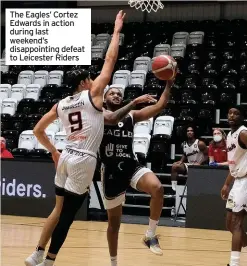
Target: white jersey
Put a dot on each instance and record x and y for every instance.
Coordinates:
(82, 121)
(192, 152)
(237, 155)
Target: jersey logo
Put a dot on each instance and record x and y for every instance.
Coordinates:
(109, 150)
(120, 124)
(232, 147)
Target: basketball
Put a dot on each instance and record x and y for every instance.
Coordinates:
(164, 67)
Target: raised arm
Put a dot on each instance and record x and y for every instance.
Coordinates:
(39, 132)
(99, 84)
(153, 110)
(112, 118)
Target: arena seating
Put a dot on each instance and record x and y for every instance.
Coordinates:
(212, 60)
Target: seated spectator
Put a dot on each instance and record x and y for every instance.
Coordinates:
(4, 152)
(217, 151)
(195, 152)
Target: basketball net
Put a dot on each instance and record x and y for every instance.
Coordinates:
(146, 5)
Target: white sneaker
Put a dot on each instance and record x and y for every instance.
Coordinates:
(35, 258)
(46, 263)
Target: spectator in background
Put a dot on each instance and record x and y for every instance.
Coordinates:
(195, 152)
(4, 152)
(217, 151)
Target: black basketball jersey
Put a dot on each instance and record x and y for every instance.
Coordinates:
(117, 141)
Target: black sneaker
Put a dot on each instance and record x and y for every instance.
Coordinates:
(153, 244)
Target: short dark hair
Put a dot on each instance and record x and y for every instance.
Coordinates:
(76, 76)
(240, 108)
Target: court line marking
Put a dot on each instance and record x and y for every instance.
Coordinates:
(127, 233)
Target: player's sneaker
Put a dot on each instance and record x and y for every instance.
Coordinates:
(35, 258)
(153, 244)
(46, 263)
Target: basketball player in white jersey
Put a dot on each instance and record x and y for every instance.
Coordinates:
(83, 120)
(237, 198)
(195, 152)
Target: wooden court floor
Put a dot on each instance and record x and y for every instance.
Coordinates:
(86, 245)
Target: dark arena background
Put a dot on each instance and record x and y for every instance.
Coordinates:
(208, 39)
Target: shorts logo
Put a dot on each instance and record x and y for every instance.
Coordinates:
(109, 150)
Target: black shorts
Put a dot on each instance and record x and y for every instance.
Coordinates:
(117, 176)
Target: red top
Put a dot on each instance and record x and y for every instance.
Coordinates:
(6, 154)
(219, 153)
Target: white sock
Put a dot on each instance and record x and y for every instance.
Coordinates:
(114, 261)
(174, 185)
(152, 228)
(235, 258)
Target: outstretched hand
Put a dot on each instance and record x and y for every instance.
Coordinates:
(119, 21)
(146, 98)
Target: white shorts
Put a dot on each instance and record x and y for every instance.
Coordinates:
(114, 201)
(237, 200)
(75, 171)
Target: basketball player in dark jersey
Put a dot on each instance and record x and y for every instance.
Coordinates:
(120, 168)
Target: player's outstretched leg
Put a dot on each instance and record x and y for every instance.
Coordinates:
(150, 184)
(71, 205)
(114, 221)
(37, 256)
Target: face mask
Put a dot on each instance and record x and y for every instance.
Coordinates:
(217, 138)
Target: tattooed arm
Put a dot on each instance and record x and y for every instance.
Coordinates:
(112, 118)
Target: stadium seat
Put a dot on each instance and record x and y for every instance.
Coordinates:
(103, 39)
(20, 152)
(97, 51)
(33, 91)
(19, 122)
(3, 67)
(162, 49)
(196, 37)
(5, 90)
(178, 51)
(142, 63)
(180, 38)
(18, 92)
(121, 77)
(138, 77)
(60, 140)
(143, 127)
(55, 77)
(154, 90)
(6, 122)
(141, 143)
(26, 106)
(43, 106)
(9, 106)
(133, 91)
(41, 77)
(163, 126)
(32, 120)
(27, 140)
(26, 77)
